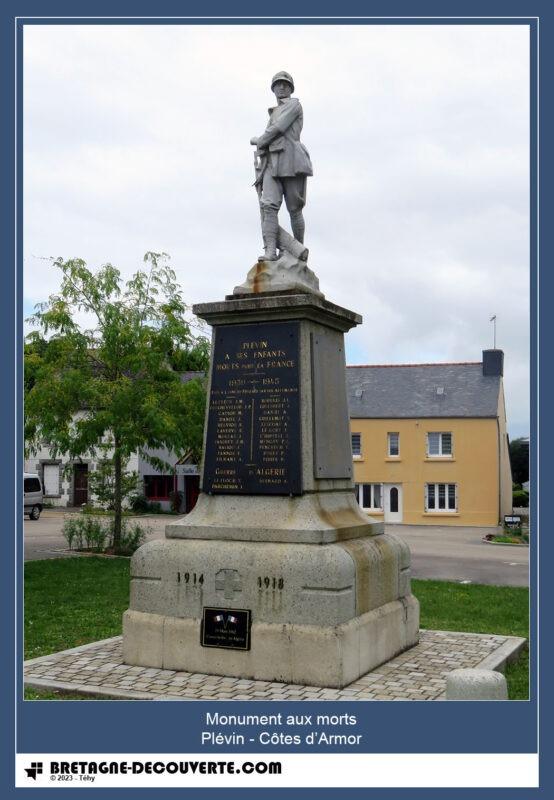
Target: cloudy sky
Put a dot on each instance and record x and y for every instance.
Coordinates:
(137, 138)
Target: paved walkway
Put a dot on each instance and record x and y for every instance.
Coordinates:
(97, 669)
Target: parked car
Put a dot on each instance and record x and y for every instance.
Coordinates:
(32, 495)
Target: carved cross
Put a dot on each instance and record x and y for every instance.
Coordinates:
(228, 581)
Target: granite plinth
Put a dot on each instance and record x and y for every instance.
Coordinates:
(281, 583)
(312, 518)
(324, 425)
(317, 655)
(328, 592)
(277, 305)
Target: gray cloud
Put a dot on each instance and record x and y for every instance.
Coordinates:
(136, 138)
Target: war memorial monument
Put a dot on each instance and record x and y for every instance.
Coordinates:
(277, 574)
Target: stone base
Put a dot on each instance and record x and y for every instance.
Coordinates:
(322, 614)
(318, 518)
(327, 590)
(299, 654)
(303, 584)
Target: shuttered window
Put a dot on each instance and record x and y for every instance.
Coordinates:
(357, 444)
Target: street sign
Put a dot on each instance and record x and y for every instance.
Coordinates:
(187, 469)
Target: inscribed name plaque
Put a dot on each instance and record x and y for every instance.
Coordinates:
(253, 433)
(226, 627)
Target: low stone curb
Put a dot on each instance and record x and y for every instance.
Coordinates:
(96, 671)
(82, 648)
(85, 553)
(505, 544)
(505, 654)
(87, 691)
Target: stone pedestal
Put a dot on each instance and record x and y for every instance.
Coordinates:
(304, 587)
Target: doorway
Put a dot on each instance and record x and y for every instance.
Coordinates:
(80, 484)
(192, 490)
(393, 502)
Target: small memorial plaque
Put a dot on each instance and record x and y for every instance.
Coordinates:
(226, 627)
(253, 432)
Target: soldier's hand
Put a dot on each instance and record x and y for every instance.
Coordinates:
(254, 141)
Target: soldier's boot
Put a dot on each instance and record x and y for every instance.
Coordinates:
(270, 226)
(297, 225)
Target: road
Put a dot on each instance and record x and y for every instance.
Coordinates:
(44, 538)
(442, 553)
(460, 554)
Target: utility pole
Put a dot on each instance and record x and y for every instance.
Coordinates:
(493, 320)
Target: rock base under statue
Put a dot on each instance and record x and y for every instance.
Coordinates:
(285, 274)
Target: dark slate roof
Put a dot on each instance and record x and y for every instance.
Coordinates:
(410, 391)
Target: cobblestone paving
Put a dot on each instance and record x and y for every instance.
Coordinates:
(417, 674)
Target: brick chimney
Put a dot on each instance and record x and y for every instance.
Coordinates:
(493, 362)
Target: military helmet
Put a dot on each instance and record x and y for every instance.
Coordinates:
(282, 76)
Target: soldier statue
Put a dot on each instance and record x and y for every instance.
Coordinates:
(282, 166)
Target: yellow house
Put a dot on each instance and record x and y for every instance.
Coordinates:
(429, 442)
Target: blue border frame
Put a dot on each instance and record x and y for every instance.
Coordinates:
(389, 727)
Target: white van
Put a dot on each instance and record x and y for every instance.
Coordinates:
(32, 495)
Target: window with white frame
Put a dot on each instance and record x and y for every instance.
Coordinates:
(369, 496)
(439, 444)
(357, 445)
(441, 497)
(393, 444)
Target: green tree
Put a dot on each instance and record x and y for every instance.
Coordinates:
(101, 483)
(104, 366)
(34, 351)
(519, 459)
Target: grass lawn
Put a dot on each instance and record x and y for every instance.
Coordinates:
(49, 694)
(473, 607)
(477, 608)
(72, 601)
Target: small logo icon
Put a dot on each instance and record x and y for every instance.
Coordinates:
(34, 770)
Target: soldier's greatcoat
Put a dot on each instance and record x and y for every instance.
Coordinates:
(287, 155)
